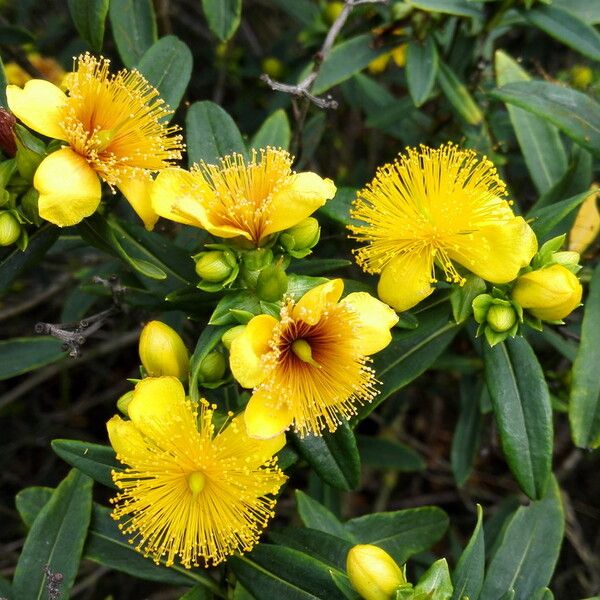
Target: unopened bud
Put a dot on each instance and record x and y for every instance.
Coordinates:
(30, 152)
(10, 229)
(123, 402)
(373, 572)
(501, 318)
(212, 367)
(163, 352)
(8, 145)
(215, 266)
(549, 294)
(272, 283)
(303, 236)
(567, 258)
(273, 67)
(332, 11)
(231, 334)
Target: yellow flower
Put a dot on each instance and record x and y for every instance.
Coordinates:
(437, 206)
(163, 352)
(373, 573)
(114, 129)
(587, 223)
(310, 368)
(549, 294)
(188, 490)
(238, 199)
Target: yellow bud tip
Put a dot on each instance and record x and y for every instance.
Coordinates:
(196, 481)
(163, 352)
(301, 348)
(373, 572)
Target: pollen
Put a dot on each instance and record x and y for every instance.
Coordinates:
(117, 122)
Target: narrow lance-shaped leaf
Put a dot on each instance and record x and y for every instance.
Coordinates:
(223, 16)
(458, 95)
(315, 516)
(469, 572)
(21, 355)
(421, 69)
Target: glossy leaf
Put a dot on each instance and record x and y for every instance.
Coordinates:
(223, 16)
(529, 550)
(435, 583)
(458, 95)
(55, 541)
(523, 412)
(460, 8)
(333, 456)
(584, 404)
(133, 27)
(89, 17)
(548, 218)
(574, 113)
(469, 572)
(385, 453)
(167, 65)
(94, 460)
(583, 9)
(315, 516)
(338, 208)
(211, 133)
(540, 142)
(462, 296)
(401, 533)
(275, 131)
(238, 301)
(421, 69)
(21, 355)
(209, 338)
(566, 28)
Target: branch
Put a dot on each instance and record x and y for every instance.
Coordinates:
(303, 89)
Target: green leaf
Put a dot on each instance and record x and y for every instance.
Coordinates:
(411, 352)
(223, 16)
(107, 545)
(546, 594)
(401, 533)
(574, 113)
(198, 592)
(338, 208)
(275, 131)
(540, 142)
(6, 589)
(21, 355)
(55, 541)
(458, 95)
(460, 8)
(584, 404)
(19, 260)
(208, 340)
(584, 9)
(278, 572)
(388, 454)
(529, 550)
(315, 516)
(211, 133)
(523, 412)
(89, 17)
(94, 460)
(469, 572)
(305, 12)
(167, 65)
(318, 266)
(134, 28)
(333, 456)
(3, 83)
(465, 441)
(566, 28)
(15, 35)
(462, 296)
(421, 69)
(244, 300)
(346, 59)
(435, 583)
(547, 218)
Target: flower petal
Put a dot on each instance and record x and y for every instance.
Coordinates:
(375, 318)
(497, 253)
(69, 188)
(126, 440)
(176, 194)
(266, 418)
(297, 200)
(158, 408)
(311, 306)
(406, 280)
(136, 190)
(248, 348)
(39, 105)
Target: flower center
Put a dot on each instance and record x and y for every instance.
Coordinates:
(196, 481)
(301, 348)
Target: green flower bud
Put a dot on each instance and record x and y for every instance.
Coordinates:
(231, 334)
(501, 318)
(303, 236)
(272, 283)
(163, 352)
(30, 152)
(373, 573)
(10, 229)
(123, 402)
(212, 367)
(567, 258)
(215, 266)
